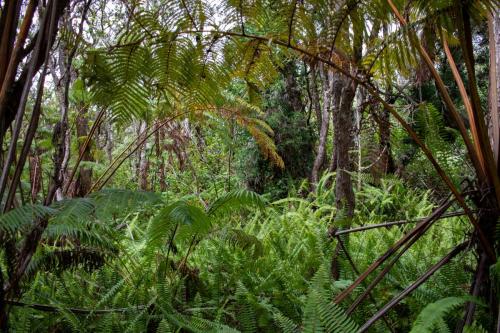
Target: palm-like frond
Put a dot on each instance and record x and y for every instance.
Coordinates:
(24, 216)
(433, 313)
(235, 200)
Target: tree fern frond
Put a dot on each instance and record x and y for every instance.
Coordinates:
(24, 216)
(235, 200)
(60, 260)
(240, 238)
(190, 219)
(432, 313)
(73, 209)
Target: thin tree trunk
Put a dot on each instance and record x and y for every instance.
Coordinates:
(336, 97)
(384, 163)
(84, 179)
(315, 102)
(35, 165)
(143, 162)
(109, 144)
(159, 139)
(357, 130)
(292, 91)
(328, 81)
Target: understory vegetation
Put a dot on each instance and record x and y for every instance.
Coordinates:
(249, 166)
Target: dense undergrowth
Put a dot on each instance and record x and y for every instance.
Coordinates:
(138, 262)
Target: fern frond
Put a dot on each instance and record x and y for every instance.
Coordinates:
(235, 200)
(432, 313)
(285, 323)
(24, 216)
(240, 238)
(190, 219)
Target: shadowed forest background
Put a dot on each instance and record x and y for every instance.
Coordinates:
(249, 166)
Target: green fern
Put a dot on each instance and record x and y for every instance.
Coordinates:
(320, 313)
(234, 200)
(24, 216)
(433, 313)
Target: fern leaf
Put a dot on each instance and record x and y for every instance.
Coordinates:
(432, 313)
(236, 200)
(190, 219)
(24, 216)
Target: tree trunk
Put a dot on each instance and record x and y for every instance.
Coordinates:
(142, 166)
(292, 90)
(328, 85)
(159, 139)
(315, 102)
(384, 162)
(336, 97)
(109, 144)
(344, 194)
(84, 180)
(35, 165)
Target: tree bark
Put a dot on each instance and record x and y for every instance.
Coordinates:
(84, 180)
(35, 165)
(328, 86)
(159, 139)
(142, 161)
(315, 102)
(344, 194)
(292, 90)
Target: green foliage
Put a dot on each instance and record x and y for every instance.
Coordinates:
(294, 138)
(202, 258)
(433, 314)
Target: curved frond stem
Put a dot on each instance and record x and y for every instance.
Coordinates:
(393, 223)
(191, 18)
(350, 6)
(473, 151)
(356, 270)
(391, 264)
(290, 24)
(414, 286)
(465, 99)
(483, 142)
(11, 69)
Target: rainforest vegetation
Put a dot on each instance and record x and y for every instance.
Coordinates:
(249, 166)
